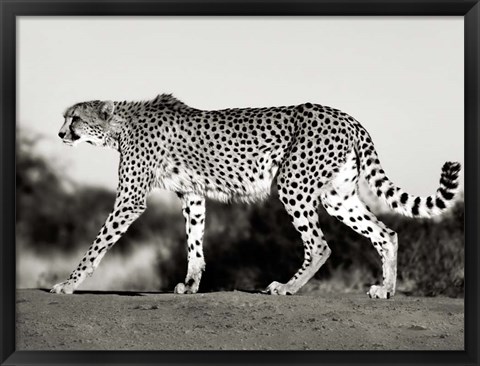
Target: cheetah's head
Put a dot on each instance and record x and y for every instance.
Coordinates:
(88, 122)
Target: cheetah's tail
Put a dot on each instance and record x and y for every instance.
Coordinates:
(399, 200)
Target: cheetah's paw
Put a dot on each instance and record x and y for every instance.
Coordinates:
(379, 292)
(181, 288)
(277, 288)
(66, 287)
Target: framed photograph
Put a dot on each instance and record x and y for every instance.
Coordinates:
(274, 182)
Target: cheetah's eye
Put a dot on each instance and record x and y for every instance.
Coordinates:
(75, 118)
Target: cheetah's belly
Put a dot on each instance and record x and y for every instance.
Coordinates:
(249, 184)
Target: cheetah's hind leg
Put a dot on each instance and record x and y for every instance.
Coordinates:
(340, 199)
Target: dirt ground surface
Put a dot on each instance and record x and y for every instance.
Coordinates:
(235, 321)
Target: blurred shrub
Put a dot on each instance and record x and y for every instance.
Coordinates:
(49, 215)
(246, 246)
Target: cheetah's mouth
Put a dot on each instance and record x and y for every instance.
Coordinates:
(74, 135)
(71, 138)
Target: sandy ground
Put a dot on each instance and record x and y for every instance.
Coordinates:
(235, 321)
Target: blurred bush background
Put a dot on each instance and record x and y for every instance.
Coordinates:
(246, 246)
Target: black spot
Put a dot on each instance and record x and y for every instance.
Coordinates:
(445, 194)
(190, 282)
(440, 204)
(447, 183)
(429, 202)
(416, 206)
(404, 198)
(379, 182)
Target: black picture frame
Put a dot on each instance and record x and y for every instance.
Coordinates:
(10, 9)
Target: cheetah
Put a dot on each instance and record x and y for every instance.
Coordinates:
(315, 153)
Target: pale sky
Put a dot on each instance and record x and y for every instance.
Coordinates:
(401, 77)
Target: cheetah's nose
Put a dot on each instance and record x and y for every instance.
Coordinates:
(61, 134)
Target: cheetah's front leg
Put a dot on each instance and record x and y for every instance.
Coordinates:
(193, 208)
(124, 213)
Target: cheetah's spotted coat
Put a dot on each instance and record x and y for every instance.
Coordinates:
(316, 154)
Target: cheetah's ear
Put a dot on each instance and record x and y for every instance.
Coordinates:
(106, 109)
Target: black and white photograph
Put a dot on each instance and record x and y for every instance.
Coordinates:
(240, 183)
